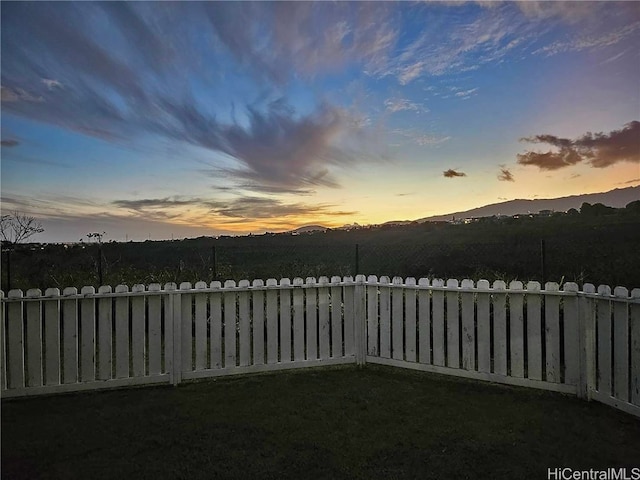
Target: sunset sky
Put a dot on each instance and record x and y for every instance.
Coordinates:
(157, 119)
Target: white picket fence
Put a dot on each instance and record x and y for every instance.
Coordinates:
(581, 342)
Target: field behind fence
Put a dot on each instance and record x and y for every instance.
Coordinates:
(584, 342)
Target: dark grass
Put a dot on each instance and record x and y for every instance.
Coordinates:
(369, 423)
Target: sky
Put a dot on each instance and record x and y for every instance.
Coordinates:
(168, 120)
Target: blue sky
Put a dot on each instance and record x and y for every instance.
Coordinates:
(158, 119)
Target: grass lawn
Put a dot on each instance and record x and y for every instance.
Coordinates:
(369, 423)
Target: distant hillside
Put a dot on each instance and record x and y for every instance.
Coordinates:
(617, 198)
(309, 228)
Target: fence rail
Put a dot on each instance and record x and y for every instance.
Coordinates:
(584, 342)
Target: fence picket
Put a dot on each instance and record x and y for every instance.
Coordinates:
(122, 333)
(499, 327)
(468, 329)
(552, 333)
(3, 339)
(516, 329)
(155, 330)
(298, 319)
(311, 319)
(105, 334)
(324, 325)
(285, 320)
(385, 317)
(70, 338)
(484, 326)
(397, 319)
(230, 325)
(258, 323)
(424, 323)
(571, 336)
(15, 342)
(534, 332)
(410, 321)
(88, 333)
(438, 323)
(215, 332)
(186, 327)
(372, 316)
(634, 319)
(336, 318)
(138, 321)
(201, 300)
(349, 320)
(245, 324)
(453, 324)
(621, 345)
(34, 339)
(604, 340)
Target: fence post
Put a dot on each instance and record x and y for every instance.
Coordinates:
(214, 262)
(543, 262)
(587, 343)
(359, 323)
(357, 264)
(173, 347)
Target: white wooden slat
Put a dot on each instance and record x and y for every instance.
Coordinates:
(604, 340)
(336, 319)
(230, 325)
(483, 323)
(215, 331)
(349, 313)
(311, 302)
(621, 345)
(468, 327)
(424, 323)
(587, 381)
(571, 335)
(172, 333)
(186, 327)
(15, 342)
(439, 338)
(552, 333)
(138, 328)
(201, 340)
(397, 319)
(634, 331)
(516, 329)
(122, 333)
(70, 336)
(385, 317)
(88, 335)
(105, 334)
(324, 324)
(258, 331)
(372, 316)
(410, 321)
(285, 320)
(272, 322)
(499, 327)
(534, 332)
(34, 339)
(3, 364)
(298, 319)
(155, 330)
(453, 324)
(245, 324)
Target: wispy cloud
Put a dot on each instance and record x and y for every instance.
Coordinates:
(591, 42)
(9, 142)
(505, 175)
(599, 150)
(464, 94)
(401, 104)
(420, 138)
(451, 173)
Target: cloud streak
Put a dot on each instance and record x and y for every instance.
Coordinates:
(599, 150)
(505, 175)
(451, 173)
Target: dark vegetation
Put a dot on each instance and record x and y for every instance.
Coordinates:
(597, 244)
(369, 423)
